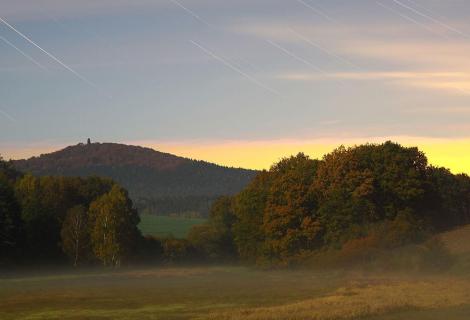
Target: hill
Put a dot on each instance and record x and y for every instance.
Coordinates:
(159, 183)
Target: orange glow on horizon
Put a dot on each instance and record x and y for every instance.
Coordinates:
(450, 153)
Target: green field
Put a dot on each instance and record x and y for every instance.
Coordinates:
(233, 293)
(162, 226)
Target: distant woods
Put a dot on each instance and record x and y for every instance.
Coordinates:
(158, 183)
(357, 202)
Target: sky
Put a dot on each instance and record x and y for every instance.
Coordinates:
(240, 83)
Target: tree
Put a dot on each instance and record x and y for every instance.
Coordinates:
(366, 184)
(10, 222)
(248, 207)
(449, 196)
(41, 222)
(75, 235)
(113, 222)
(290, 221)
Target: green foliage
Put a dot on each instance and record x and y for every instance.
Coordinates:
(44, 204)
(113, 223)
(44, 217)
(368, 183)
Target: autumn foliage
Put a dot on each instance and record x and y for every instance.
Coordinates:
(355, 201)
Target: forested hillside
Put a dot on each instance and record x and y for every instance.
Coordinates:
(159, 183)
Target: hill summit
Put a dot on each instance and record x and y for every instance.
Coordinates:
(159, 183)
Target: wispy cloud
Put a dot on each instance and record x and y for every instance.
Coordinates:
(454, 82)
(460, 111)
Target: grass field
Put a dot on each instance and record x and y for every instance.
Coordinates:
(240, 293)
(234, 293)
(165, 226)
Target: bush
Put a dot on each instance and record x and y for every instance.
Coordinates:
(150, 250)
(178, 250)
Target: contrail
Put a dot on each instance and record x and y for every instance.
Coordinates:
(192, 13)
(9, 117)
(23, 53)
(326, 51)
(231, 66)
(411, 20)
(296, 57)
(448, 27)
(317, 11)
(51, 56)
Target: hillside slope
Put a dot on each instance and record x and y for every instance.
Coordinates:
(457, 241)
(158, 182)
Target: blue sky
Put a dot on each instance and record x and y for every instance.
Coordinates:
(205, 70)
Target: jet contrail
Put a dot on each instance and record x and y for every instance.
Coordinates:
(23, 53)
(234, 68)
(192, 13)
(317, 11)
(51, 56)
(9, 117)
(411, 20)
(296, 57)
(326, 51)
(448, 27)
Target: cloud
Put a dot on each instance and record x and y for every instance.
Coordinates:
(449, 82)
(460, 111)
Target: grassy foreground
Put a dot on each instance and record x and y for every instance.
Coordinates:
(162, 226)
(233, 293)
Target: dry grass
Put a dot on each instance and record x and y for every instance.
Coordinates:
(359, 300)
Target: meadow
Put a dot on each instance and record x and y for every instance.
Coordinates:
(164, 226)
(233, 293)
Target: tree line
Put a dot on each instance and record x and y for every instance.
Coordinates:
(46, 219)
(353, 202)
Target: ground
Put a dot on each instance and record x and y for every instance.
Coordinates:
(234, 293)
